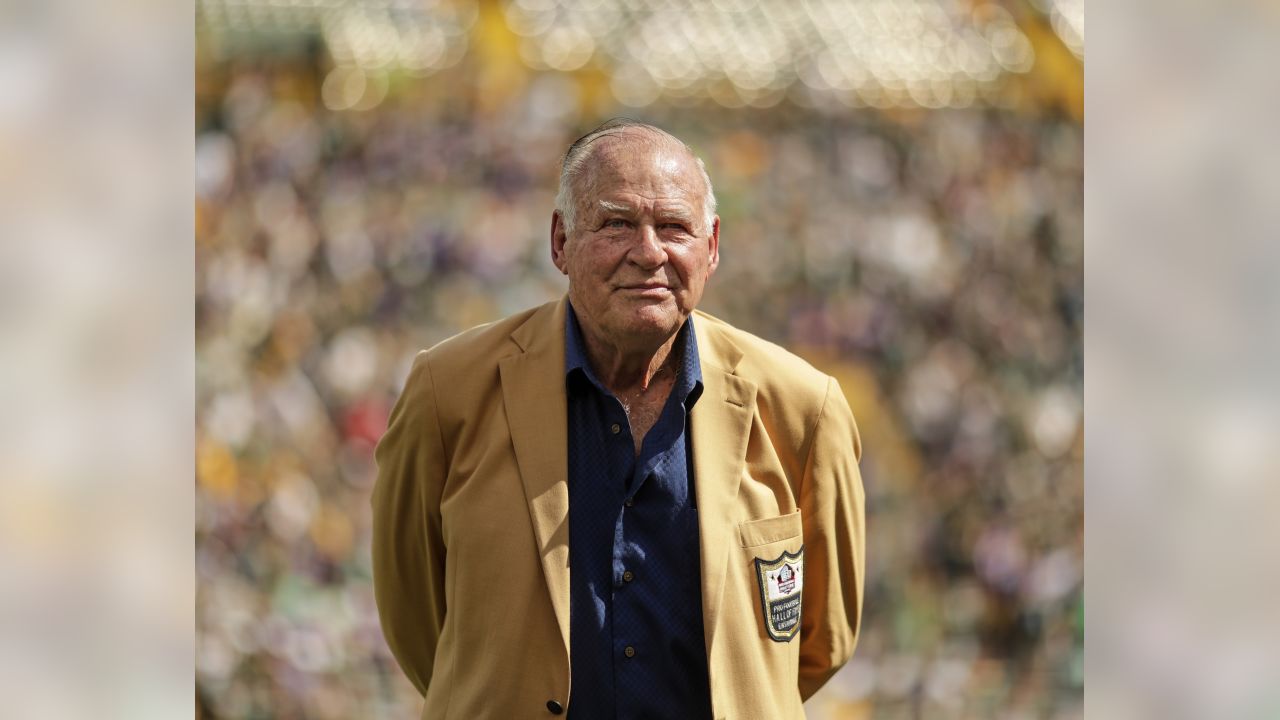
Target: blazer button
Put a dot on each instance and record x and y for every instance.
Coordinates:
(555, 707)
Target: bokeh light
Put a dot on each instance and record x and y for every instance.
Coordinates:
(880, 53)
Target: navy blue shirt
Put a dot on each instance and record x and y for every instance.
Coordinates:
(635, 593)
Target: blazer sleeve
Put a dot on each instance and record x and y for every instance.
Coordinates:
(408, 548)
(832, 508)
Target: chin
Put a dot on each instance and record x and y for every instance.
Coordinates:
(653, 322)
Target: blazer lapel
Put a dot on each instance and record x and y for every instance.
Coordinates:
(537, 416)
(721, 423)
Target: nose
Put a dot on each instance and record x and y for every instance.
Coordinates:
(649, 252)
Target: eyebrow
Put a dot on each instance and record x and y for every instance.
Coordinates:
(616, 207)
(676, 213)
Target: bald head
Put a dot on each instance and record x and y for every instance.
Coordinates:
(590, 154)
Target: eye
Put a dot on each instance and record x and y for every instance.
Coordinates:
(616, 223)
(678, 227)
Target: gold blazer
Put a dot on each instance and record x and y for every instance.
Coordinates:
(471, 523)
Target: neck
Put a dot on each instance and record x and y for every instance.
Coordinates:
(629, 369)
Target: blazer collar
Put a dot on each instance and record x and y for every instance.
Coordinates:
(543, 331)
(715, 348)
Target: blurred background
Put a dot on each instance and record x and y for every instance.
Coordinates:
(900, 188)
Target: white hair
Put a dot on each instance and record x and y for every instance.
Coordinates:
(575, 166)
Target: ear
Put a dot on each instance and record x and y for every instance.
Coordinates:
(558, 239)
(714, 246)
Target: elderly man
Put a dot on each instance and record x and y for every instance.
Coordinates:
(613, 505)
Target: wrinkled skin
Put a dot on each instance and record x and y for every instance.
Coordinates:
(639, 256)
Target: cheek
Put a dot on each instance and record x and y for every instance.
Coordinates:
(592, 278)
(694, 269)
(600, 260)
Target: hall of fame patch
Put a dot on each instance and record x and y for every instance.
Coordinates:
(781, 582)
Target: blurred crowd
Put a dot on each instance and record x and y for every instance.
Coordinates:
(931, 260)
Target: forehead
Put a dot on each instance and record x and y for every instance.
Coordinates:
(654, 168)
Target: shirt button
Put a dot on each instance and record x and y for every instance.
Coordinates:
(615, 428)
(555, 707)
(629, 651)
(628, 576)
(629, 502)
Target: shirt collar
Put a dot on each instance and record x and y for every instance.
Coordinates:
(689, 366)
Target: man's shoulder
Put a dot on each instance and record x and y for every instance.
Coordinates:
(483, 343)
(776, 371)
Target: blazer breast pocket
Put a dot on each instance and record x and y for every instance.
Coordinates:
(754, 533)
(774, 551)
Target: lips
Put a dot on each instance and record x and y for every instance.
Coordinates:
(647, 292)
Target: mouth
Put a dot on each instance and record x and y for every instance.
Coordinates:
(646, 289)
